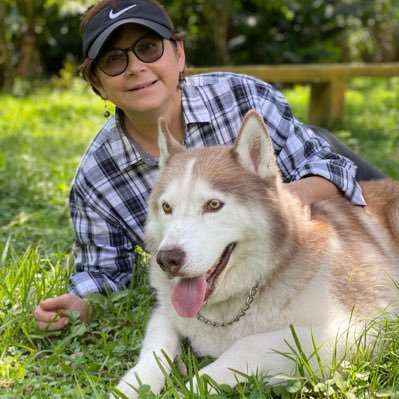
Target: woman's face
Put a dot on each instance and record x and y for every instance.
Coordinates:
(143, 87)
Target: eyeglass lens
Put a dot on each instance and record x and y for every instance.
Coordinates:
(147, 49)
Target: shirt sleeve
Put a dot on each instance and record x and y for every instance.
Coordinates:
(300, 152)
(104, 256)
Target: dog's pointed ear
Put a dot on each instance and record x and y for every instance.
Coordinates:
(166, 143)
(254, 146)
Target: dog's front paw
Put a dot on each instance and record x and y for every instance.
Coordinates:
(128, 385)
(213, 373)
(193, 385)
(142, 374)
(126, 389)
(199, 386)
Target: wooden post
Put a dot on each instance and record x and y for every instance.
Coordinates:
(327, 102)
(327, 82)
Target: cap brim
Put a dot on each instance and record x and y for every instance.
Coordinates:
(102, 38)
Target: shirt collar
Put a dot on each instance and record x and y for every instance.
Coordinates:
(194, 109)
(123, 150)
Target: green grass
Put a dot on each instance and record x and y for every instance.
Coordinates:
(42, 138)
(371, 120)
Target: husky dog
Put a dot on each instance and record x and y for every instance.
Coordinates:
(236, 262)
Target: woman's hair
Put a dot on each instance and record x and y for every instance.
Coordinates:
(88, 68)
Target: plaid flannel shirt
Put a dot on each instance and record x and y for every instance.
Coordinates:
(109, 192)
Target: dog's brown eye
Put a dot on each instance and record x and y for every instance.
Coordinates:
(166, 207)
(213, 205)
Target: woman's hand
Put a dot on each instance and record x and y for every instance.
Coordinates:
(312, 189)
(51, 314)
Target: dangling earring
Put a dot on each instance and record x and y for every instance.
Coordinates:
(106, 114)
(182, 80)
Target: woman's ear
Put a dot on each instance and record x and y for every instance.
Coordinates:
(180, 54)
(98, 86)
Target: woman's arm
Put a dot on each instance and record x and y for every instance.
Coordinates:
(312, 189)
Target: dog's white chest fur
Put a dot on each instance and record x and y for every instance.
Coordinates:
(272, 309)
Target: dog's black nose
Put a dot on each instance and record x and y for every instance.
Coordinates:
(171, 260)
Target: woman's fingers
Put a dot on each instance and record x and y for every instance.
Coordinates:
(56, 324)
(50, 314)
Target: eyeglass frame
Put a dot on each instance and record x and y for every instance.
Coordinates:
(131, 48)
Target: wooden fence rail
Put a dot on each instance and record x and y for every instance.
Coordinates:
(327, 81)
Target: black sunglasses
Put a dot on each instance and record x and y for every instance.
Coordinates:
(114, 61)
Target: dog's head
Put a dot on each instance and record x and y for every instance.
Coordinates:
(209, 210)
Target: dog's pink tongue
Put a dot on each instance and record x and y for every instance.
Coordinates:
(188, 296)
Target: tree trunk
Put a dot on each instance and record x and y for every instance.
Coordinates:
(6, 70)
(29, 61)
(218, 16)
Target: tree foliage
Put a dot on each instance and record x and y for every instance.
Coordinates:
(289, 31)
(37, 37)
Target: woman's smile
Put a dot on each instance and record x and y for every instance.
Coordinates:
(143, 86)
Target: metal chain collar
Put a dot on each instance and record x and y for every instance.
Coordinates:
(240, 314)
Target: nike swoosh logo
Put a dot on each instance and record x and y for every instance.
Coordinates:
(113, 15)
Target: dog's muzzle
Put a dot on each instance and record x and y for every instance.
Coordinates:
(171, 260)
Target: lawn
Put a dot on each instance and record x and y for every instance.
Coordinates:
(43, 136)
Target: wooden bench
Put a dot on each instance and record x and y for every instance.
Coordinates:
(327, 82)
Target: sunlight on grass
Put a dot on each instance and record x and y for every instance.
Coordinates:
(43, 138)
(371, 119)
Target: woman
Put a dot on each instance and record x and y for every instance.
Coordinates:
(136, 59)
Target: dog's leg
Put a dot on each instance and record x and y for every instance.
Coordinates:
(257, 354)
(161, 340)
